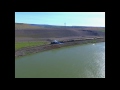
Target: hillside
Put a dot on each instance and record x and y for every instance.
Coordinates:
(19, 26)
(34, 32)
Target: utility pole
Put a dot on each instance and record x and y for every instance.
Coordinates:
(65, 25)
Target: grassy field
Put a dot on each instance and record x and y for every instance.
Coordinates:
(19, 45)
(103, 30)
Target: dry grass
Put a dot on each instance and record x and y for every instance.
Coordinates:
(25, 26)
(35, 33)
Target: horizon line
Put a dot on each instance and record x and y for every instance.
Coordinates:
(59, 25)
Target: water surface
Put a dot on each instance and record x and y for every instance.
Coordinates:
(80, 61)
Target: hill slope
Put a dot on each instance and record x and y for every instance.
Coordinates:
(51, 31)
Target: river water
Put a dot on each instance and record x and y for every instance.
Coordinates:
(79, 61)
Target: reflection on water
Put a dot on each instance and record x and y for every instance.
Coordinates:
(81, 61)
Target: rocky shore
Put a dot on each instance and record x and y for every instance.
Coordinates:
(30, 50)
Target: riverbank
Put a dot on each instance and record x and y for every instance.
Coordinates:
(30, 50)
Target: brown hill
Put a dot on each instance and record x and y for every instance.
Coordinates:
(39, 32)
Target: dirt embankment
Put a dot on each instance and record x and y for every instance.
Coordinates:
(30, 50)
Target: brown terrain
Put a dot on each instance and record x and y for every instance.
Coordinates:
(26, 32)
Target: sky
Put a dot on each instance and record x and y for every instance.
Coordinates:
(60, 18)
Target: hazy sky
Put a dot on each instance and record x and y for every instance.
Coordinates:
(59, 18)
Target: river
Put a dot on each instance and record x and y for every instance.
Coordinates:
(79, 61)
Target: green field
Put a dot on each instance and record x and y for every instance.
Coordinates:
(19, 45)
(103, 30)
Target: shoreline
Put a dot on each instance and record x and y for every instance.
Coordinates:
(30, 50)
